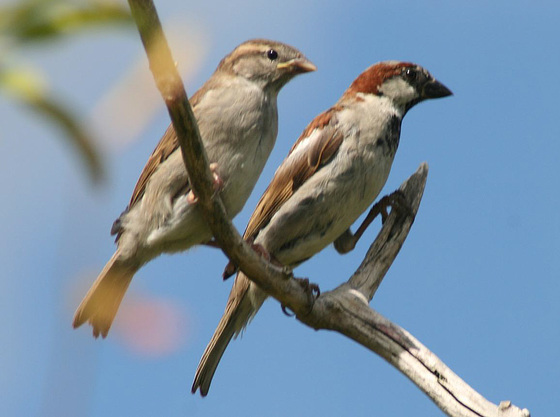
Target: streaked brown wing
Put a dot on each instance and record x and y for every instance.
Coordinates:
(297, 168)
(166, 146)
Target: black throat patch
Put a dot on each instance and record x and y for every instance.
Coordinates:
(389, 141)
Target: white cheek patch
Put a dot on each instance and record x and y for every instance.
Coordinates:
(398, 89)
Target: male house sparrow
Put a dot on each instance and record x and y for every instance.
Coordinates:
(332, 174)
(237, 116)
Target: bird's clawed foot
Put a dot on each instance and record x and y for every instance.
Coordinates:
(397, 201)
(217, 184)
(312, 290)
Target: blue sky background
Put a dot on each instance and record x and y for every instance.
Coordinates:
(477, 281)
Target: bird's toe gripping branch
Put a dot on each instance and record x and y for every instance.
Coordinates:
(218, 184)
(311, 289)
(397, 201)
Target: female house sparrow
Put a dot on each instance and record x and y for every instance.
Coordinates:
(332, 174)
(237, 116)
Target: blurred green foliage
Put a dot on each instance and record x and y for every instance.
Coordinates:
(28, 22)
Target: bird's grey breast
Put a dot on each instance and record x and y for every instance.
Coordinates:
(239, 127)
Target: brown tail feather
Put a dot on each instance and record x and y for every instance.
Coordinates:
(240, 309)
(103, 299)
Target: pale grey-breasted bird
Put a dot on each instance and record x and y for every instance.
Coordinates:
(236, 111)
(332, 174)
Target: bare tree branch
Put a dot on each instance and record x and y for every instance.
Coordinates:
(345, 309)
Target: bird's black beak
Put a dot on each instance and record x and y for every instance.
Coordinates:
(435, 89)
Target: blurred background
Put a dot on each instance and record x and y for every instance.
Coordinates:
(477, 281)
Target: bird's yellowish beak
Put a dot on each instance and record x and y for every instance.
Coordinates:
(297, 65)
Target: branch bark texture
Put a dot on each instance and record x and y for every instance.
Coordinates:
(345, 309)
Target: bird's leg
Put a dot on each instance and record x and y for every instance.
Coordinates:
(217, 184)
(231, 268)
(396, 200)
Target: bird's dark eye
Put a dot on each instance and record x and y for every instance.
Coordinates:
(411, 74)
(272, 54)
